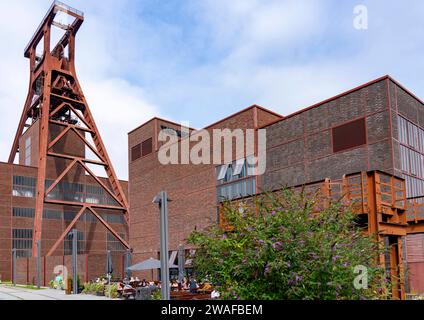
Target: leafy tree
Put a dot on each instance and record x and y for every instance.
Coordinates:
(280, 246)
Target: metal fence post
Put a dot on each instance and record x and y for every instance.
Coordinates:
(38, 264)
(14, 266)
(74, 261)
(162, 200)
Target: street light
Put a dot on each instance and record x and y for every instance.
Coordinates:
(162, 200)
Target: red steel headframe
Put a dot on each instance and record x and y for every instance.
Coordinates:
(61, 93)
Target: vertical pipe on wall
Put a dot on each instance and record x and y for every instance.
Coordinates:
(38, 264)
(14, 266)
(74, 261)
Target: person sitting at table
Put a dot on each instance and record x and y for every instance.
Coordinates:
(185, 285)
(174, 285)
(193, 286)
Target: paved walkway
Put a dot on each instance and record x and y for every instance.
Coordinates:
(16, 293)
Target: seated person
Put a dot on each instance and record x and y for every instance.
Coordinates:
(193, 286)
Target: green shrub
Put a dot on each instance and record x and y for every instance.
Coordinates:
(280, 248)
(113, 291)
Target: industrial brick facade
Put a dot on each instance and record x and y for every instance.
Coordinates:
(192, 188)
(300, 149)
(96, 239)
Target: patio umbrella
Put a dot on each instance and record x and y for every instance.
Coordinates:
(148, 264)
(128, 263)
(109, 268)
(109, 265)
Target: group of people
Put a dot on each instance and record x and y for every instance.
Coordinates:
(136, 282)
(187, 285)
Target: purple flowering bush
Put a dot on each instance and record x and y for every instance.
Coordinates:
(279, 247)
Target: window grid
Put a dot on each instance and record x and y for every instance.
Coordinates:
(23, 187)
(28, 151)
(22, 242)
(52, 214)
(23, 212)
(113, 244)
(233, 181)
(67, 243)
(411, 139)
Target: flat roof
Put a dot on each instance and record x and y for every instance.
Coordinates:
(215, 123)
(386, 77)
(282, 118)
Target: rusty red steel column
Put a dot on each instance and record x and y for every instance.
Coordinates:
(54, 96)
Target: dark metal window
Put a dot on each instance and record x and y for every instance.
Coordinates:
(52, 214)
(113, 244)
(67, 243)
(113, 218)
(24, 212)
(146, 147)
(22, 242)
(78, 192)
(234, 180)
(70, 215)
(411, 139)
(350, 135)
(24, 187)
(89, 217)
(136, 152)
(172, 131)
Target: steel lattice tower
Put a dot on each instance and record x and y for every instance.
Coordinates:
(55, 100)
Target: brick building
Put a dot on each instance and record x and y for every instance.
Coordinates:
(192, 188)
(376, 126)
(17, 208)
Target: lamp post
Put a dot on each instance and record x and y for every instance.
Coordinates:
(162, 200)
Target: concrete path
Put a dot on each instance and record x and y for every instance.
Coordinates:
(16, 293)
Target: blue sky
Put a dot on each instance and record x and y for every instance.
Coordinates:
(202, 60)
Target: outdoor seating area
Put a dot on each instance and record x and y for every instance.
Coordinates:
(133, 288)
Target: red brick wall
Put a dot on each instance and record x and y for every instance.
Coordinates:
(192, 189)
